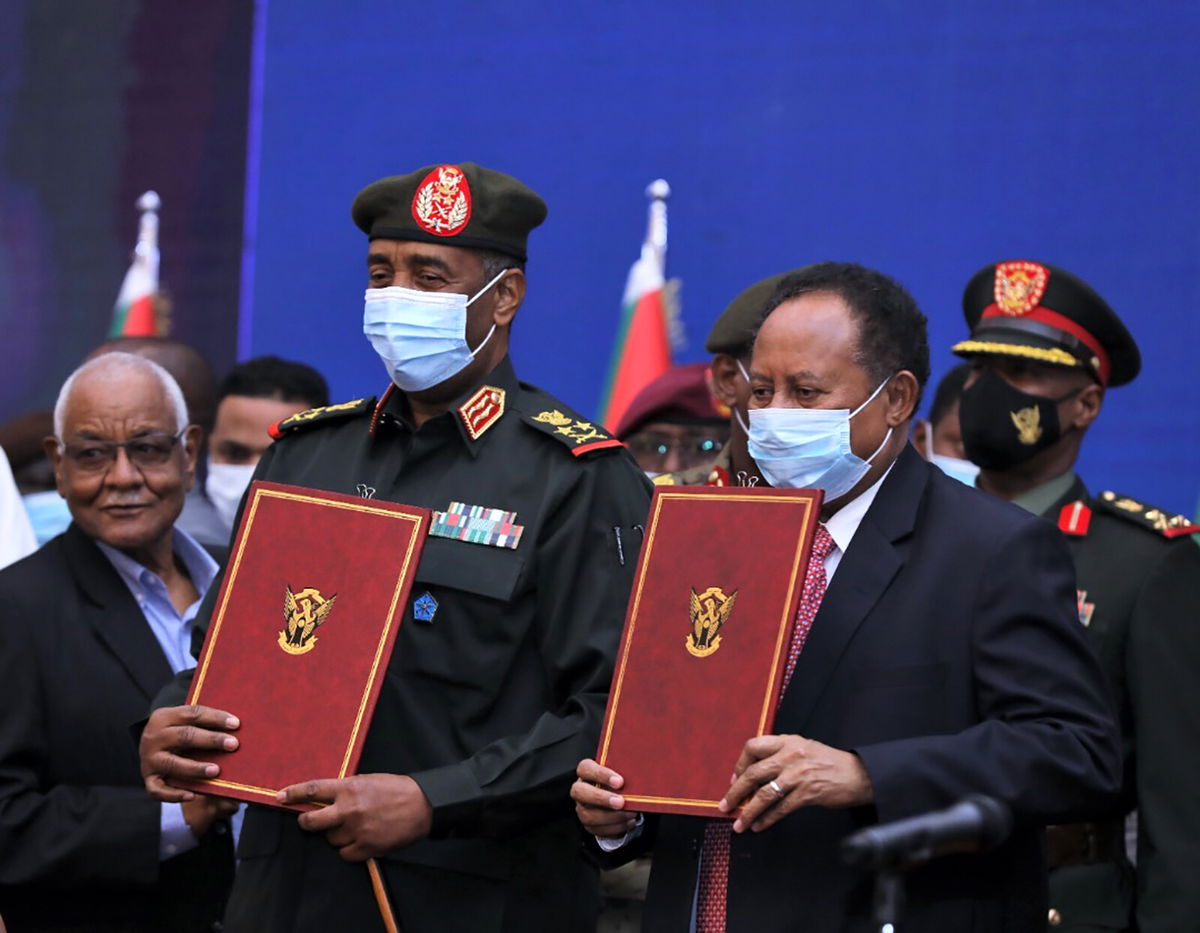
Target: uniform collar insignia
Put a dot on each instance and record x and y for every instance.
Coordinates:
(481, 411)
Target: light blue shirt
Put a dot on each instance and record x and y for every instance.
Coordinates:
(173, 631)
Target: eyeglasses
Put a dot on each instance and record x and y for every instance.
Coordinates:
(146, 452)
(692, 451)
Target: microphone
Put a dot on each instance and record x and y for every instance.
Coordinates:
(974, 824)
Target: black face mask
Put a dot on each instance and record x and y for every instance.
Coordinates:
(1003, 426)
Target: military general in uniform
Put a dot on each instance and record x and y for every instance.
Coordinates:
(498, 680)
(1046, 347)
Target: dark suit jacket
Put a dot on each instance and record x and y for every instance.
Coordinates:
(947, 654)
(79, 837)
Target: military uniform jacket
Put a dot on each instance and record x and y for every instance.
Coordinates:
(498, 681)
(1138, 574)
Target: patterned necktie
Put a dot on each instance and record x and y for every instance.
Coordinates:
(714, 859)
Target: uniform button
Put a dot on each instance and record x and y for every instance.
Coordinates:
(1054, 918)
(220, 829)
(172, 848)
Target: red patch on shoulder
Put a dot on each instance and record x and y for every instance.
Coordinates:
(442, 202)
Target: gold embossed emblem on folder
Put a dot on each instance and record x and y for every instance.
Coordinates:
(303, 614)
(710, 611)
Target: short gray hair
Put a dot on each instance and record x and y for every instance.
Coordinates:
(128, 362)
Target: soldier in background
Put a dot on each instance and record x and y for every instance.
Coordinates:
(1045, 349)
(731, 341)
(938, 438)
(675, 424)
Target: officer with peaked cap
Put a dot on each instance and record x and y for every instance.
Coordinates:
(1045, 348)
(500, 673)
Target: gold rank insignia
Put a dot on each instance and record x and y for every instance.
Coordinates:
(1168, 524)
(582, 436)
(1028, 422)
(303, 614)
(310, 415)
(710, 611)
(482, 410)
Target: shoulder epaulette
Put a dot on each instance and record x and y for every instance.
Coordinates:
(582, 437)
(320, 415)
(1167, 524)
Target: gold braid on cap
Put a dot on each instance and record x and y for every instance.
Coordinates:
(1059, 357)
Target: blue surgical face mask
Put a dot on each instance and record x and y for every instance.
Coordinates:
(809, 448)
(962, 470)
(421, 336)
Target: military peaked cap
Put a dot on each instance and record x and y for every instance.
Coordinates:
(1040, 312)
(734, 330)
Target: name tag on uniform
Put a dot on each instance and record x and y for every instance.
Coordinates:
(477, 524)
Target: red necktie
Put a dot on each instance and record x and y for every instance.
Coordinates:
(714, 859)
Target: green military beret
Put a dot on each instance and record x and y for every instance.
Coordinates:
(459, 205)
(1037, 311)
(734, 330)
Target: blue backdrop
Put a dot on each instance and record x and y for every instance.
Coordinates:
(923, 138)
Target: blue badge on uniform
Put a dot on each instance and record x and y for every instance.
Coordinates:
(424, 607)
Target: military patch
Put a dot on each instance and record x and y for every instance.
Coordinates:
(425, 607)
(476, 524)
(442, 202)
(482, 410)
(581, 436)
(1085, 608)
(1167, 524)
(1019, 286)
(314, 415)
(1075, 518)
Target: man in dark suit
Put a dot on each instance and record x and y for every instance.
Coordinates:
(91, 627)
(1045, 348)
(944, 658)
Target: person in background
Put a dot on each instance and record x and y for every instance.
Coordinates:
(16, 534)
(674, 423)
(731, 341)
(1045, 349)
(938, 438)
(91, 627)
(255, 395)
(193, 375)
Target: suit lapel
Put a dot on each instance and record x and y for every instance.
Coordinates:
(865, 572)
(114, 614)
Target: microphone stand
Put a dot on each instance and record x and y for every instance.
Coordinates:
(889, 899)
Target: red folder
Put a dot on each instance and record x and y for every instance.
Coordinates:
(706, 637)
(301, 634)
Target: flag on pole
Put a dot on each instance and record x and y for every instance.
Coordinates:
(643, 348)
(133, 314)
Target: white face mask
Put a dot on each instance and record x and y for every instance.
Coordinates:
(225, 485)
(962, 470)
(809, 448)
(421, 336)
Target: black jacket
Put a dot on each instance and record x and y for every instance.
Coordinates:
(947, 655)
(79, 837)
